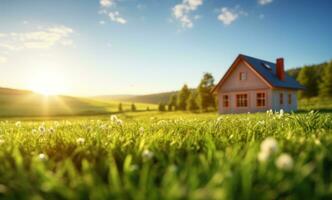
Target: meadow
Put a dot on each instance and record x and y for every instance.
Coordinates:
(170, 155)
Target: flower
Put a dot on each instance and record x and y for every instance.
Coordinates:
(2, 141)
(52, 130)
(263, 156)
(18, 124)
(41, 128)
(284, 162)
(80, 140)
(269, 145)
(42, 156)
(113, 118)
(147, 155)
(141, 129)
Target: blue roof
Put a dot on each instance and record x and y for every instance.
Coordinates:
(268, 71)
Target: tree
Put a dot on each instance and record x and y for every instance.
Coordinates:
(172, 102)
(325, 86)
(120, 107)
(148, 108)
(169, 107)
(183, 97)
(133, 107)
(192, 102)
(205, 96)
(161, 107)
(307, 77)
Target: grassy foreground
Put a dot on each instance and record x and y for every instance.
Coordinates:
(168, 156)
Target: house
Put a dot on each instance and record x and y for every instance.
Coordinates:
(254, 85)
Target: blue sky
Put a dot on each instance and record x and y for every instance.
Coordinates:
(92, 47)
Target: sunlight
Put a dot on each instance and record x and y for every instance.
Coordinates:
(47, 82)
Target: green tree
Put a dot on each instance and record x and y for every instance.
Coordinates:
(307, 77)
(161, 107)
(205, 96)
(325, 86)
(169, 107)
(172, 102)
(183, 97)
(192, 102)
(133, 107)
(120, 107)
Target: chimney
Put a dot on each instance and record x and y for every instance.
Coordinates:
(280, 68)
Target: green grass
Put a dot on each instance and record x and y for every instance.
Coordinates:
(166, 156)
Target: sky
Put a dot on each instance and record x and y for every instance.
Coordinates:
(105, 47)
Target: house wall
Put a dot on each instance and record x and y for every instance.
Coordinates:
(233, 85)
(285, 106)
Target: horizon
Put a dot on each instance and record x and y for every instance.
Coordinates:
(131, 47)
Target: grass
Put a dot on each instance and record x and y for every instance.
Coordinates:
(166, 156)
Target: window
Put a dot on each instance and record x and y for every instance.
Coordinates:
(289, 99)
(243, 76)
(260, 99)
(225, 101)
(281, 98)
(241, 100)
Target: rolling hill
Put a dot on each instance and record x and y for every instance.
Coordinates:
(15, 102)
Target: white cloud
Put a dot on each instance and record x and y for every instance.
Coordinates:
(264, 2)
(115, 17)
(182, 11)
(227, 16)
(106, 3)
(102, 22)
(3, 59)
(41, 39)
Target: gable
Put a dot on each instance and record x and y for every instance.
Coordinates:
(231, 81)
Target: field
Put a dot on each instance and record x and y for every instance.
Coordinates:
(20, 103)
(152, 155)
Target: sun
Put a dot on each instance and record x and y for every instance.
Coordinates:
(47, 82)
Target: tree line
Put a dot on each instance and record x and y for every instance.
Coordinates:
(200, 98)
(317, 79)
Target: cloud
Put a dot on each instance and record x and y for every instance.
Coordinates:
(106, 3)
(41, 39)
(3, 59)
(115, 17)
(182, 11)
(227, 16)
(264, 2)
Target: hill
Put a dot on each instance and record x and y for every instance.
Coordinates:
(26, 103)
(149, 98)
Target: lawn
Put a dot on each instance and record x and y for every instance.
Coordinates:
(172, 155)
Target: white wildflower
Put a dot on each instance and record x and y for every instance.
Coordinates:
(141, 129)
(269, 145)
(147, 155)
(41, 128)
(2, 141)
(51, 130)
(113, 118)
(219, 119)
(56, 124)
(34, 131)
(119, 122)
(267, 148)
(80, 140)
(281, 113)
(42, 157)
(263, 156)
(18, 124)
(285, 162)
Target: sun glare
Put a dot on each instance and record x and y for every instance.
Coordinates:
(47, 83)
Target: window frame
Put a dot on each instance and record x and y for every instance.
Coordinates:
(242, 103)
(281, 98)
(245, 76)
(262, 99)
(290, 99)
(225, 101)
